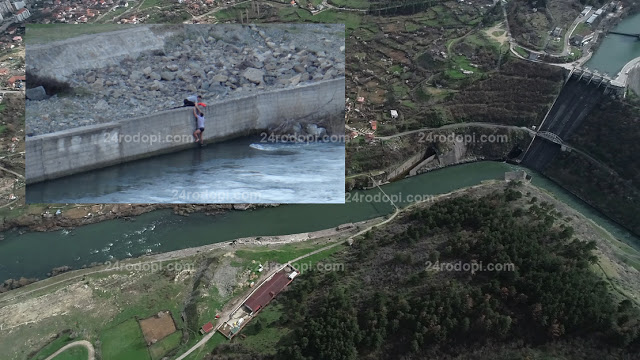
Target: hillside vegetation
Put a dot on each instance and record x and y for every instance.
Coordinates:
(393, 303)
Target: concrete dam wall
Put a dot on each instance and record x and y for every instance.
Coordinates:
(61, 58)
(576, 99)
(68, 152)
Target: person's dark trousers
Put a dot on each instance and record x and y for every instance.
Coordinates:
(186, 103)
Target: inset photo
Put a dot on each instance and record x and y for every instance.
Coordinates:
(185, 113)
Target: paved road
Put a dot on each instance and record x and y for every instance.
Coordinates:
(86, 344)
(329, 6)
(457, 125)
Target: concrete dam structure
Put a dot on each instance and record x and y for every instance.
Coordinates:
(576, 99)
(72, 151)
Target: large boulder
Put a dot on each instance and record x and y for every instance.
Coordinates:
(220, 78)
(37, 93)
(90, 77)
(168, 75)
(101, 105)
(254, 75)
(172, 67)
(135, 75)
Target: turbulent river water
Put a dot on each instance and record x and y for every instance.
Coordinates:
(161, 231)
(245, 170)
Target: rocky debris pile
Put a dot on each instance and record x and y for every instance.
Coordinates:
(11, 284)
(218, 62)
(59, 270)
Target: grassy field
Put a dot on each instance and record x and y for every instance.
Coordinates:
(53, 346)
(351, 4)
(281, 255)
(44, 33)
(74, 353)
(263, 333)
(162, 347)
(582, 29)
(151, 3)
(124, 342)
(521, 51)
(216, 340)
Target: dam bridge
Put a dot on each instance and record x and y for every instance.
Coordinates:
(548, 135)
(609, 85)
(625, 34)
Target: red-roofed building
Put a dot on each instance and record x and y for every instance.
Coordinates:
(206, 328)
(12, 80)
(374, 125)
(4, 71)
(17, 38)
(259, 299)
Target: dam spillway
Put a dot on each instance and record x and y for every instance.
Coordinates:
(576, 99)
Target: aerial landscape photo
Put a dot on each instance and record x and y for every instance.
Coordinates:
(489, 187)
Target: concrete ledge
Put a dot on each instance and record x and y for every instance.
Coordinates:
(72, 151)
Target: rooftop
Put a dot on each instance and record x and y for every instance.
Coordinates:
(268, 291)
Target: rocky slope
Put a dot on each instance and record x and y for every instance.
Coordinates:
(219, 62)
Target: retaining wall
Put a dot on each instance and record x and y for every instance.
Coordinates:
(86, 148)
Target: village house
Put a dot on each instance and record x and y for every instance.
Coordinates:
(16, 81)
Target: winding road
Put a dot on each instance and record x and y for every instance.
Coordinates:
(85, 343)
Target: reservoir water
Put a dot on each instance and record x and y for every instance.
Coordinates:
(617, 50)
(162, 231)
(245, 170)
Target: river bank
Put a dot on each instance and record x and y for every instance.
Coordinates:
(55, 217)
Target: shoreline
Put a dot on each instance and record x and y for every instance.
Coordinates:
(332, 235)
(251, 241)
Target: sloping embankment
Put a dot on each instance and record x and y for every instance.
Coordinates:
(92, 51)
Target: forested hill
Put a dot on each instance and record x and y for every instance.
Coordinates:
(390, 304)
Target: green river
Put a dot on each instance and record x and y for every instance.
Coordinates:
(34, 254)
(617, 50)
